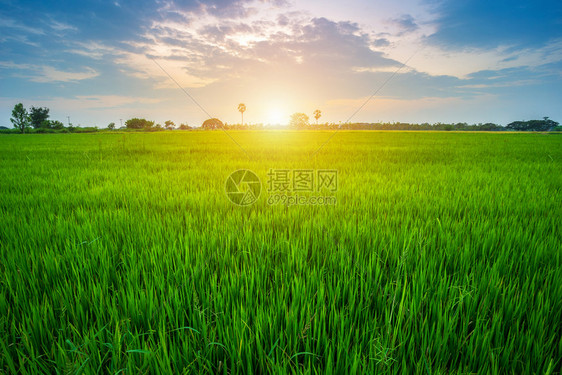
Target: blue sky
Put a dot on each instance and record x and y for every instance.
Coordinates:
(471, 61)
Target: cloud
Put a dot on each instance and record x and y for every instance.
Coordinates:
(506, 78)
(143, 67)
(47, 74)
(8, 23)
(462, 63)
(406, 24)
(236, 9)
(50, 74)
(288, 46)
(61, 26)
(106, 101)
(381, 42)
(91, 49)
(387, 69)
(89, 102)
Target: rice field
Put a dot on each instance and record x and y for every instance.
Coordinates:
(121, 253)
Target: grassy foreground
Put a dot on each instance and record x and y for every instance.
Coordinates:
(120, 253)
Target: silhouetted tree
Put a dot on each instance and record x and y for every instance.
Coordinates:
(169, 125)
(212, 123)
(111, 126)
(317, 115)
(242, 109)
(543, 125)
(489, 126)
(185, 127)
(299, 120)
(20, 118)
(37, 115)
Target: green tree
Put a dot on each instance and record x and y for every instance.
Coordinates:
(56, 125)
(20, 117)
(139, 123)
(299, 120)
(242, 109)
(543, 125)
(111, 126)
(212, 123)
(38, 115)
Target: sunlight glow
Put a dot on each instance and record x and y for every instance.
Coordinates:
(277, 117)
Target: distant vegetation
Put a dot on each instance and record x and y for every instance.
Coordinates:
(36, 120)
(543, 125)
(139, 123)
(212, 123)
(299, 121)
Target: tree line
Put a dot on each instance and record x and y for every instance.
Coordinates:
(37, 120)
(301, 121)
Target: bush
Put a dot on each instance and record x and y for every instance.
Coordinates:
(87, 129)
(139, 123)
(43, 130)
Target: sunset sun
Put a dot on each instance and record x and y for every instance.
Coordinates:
(276, 117)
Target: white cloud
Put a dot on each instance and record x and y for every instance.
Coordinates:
(92, 49)
(45, 73)
(384, 69)
(436, 61)
(50, 74)
(140, 66)
(13, 24)
(104, 101)
(61, 26)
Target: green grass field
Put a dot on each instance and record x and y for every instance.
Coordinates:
(120, 253)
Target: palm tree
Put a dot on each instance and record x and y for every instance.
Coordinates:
(242, 109)
(317, 115)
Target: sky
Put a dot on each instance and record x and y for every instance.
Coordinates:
(96, 61)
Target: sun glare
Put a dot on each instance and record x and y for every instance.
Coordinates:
(276, 117)
(276, 112)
